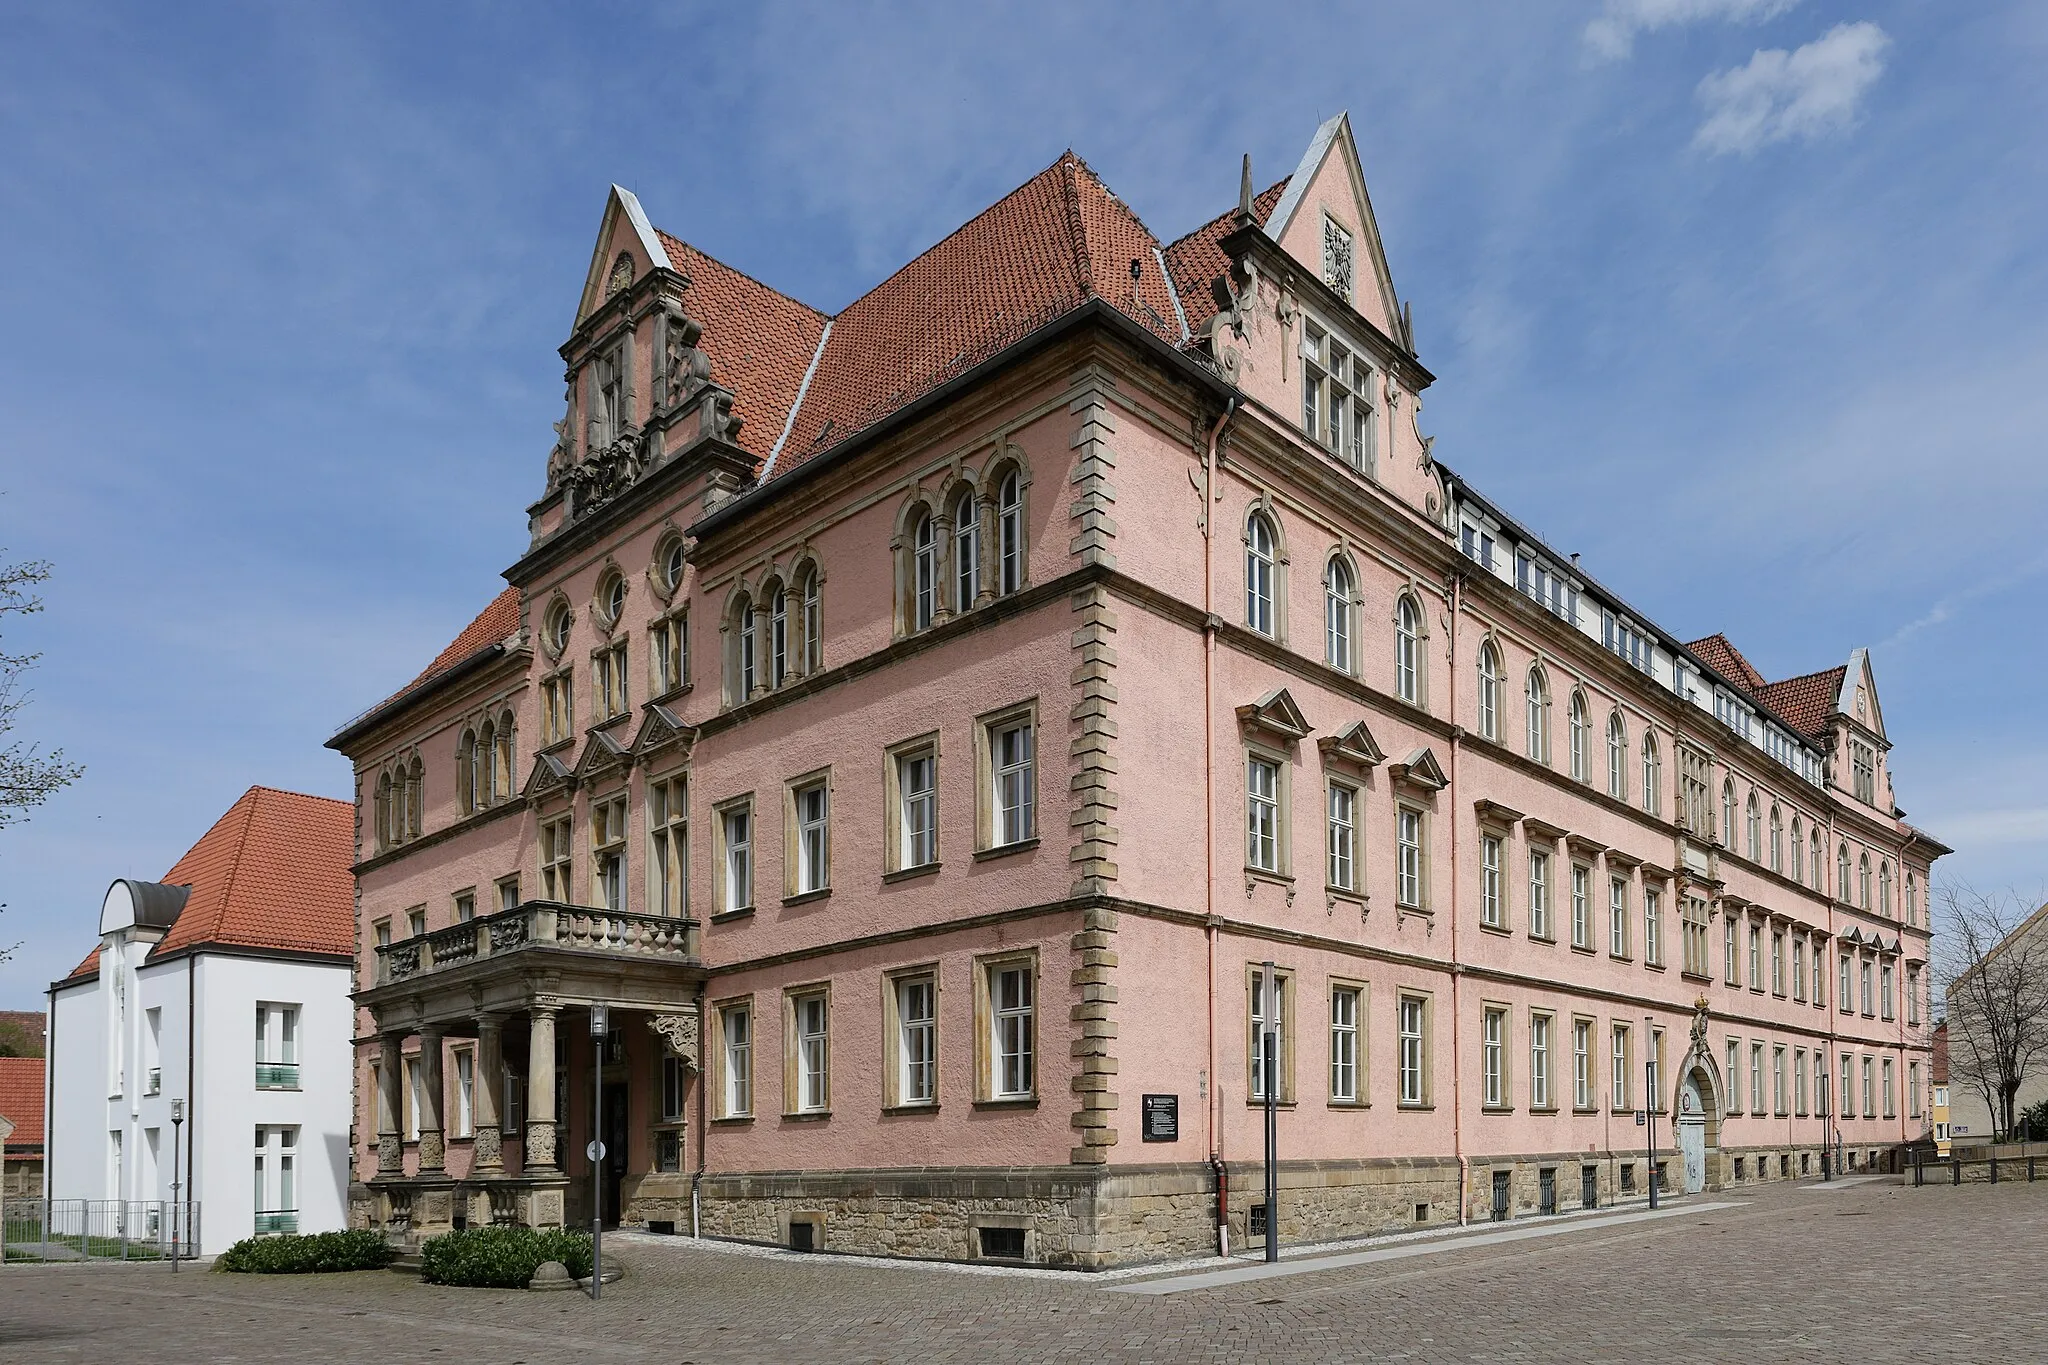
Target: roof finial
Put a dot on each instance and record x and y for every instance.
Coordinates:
(1244, 216)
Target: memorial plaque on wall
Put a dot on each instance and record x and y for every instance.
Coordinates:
(1162, 1118)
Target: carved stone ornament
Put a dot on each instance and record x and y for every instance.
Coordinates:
(684, 369)
(680, 1032)
(621, 276)
(1699, 1026)
(1337, 257)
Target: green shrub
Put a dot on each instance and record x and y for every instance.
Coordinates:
(316, 1254)
(501, 1258)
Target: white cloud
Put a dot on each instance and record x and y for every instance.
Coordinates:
(1612, 36)
(1806, 93)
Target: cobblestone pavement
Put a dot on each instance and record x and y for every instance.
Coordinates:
(1855, 1274)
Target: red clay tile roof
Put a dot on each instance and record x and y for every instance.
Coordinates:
(1196, 259)
(1042, 250)
(272, 873)
(759, 340)
(1721, 655)
(1805, 701)
(21, 1100)
(491, 625)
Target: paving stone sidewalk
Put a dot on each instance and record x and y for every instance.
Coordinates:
(1855, 1274)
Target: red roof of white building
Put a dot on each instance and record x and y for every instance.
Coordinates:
(21, 1100)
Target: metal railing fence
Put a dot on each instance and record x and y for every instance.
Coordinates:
(80, 1230)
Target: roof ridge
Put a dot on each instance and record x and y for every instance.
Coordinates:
(820, 313)
(227, 886)
(1077, 231)
(1802, 677)
(303, 796)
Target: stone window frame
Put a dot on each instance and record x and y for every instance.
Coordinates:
(1620, 939)
(1756, 1077)
(668, 842)
(1578, 738)
(1493, 903)
(1734, 1069)
(499, 887)
(557, 832)
(557, 707)
(1413, 642)
(986, 727)
(1492, 1012)
(892, 982)
(1542, 916)
(1284, 985)
(1780, 1097)
(1621, 1054)
(1356, 884)
(608, 842)
(668, 653)
(1420, 902)
(1488, 670)
(721, 1078)
(1425, 1037)
(794, 998)
(1283, 802)
(1579, 884)
(1547, 1102)
(1586, 1097)
(1652, 893)
(609, 598)
(986, 1048)
(1274, 558)
(1341, 610)
(462, 1098)
(721, 897)
(926, 745)
(793, 791)
(1361, 1050)
(1536, 714)
(1778, 951)
(1799, 1082)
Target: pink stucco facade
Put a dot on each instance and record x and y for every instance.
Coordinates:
(1156, 606)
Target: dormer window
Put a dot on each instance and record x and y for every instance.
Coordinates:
(1336, 398)
(1863, 768)
(1338, 270)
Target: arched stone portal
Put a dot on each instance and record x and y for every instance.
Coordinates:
(1698, 1124)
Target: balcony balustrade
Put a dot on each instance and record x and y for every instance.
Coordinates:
(277, 1075)
(540, 924)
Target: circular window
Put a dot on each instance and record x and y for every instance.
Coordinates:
(556, 631)
(612, 594)
(672, 566)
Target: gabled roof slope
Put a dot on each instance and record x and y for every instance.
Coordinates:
(491, 625)
(1805, 701)
(1720, 654)
(1042, 250)
(759, 340)
(1196, 259)
(273, 872)
(21, 1099)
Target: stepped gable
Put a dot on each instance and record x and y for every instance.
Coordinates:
(1042, 250)
(1806, 701)
(1197, 259)
(759, 340)
(273, 872)
(1721, 655)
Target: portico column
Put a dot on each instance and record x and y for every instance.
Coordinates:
(433, 1150)
(390, 1147)
(488, 1148)
(540, 1088)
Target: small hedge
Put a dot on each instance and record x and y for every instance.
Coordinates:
(501, 1258)
(317, 1254)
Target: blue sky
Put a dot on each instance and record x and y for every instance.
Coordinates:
(1740, 298)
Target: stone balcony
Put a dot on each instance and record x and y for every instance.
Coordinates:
(540, 927)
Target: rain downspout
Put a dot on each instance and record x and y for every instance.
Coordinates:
(1455, 583)
(1214, 1109)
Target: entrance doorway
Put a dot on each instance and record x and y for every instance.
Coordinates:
(615, 1102)
(1695, 1111)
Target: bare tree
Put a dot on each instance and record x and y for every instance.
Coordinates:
(1991, 961)
(28, 776)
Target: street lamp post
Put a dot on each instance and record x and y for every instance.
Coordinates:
(1650, 1098)
(177, 1182)
(1269, 1056)
(596, 1149)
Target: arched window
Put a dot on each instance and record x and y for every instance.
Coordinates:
(1863, 881)
(778, 636)
(1010, 532)
(383, 810)
(1884, 889)
(465, 771)
(1258, 574)
(501, 777)
(1728, 814)
(1408, 650)
(1617, 756)
(1819, 866)
(1576, 736)
(416, 793)
(1489, 692)
(814, 622)
(746, 657)
(1537, 722)
(483, 764)
(1753, 830)
(672, 562)
(1339, 599)
(1798, 851)
(1653, 773)
(1777, 840)
(966, 551)
(924, 572)
(1842, 873)
(1912, 899)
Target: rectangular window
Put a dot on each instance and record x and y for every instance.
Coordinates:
(1869, 994)
(1013, 1029)
(465, 906)
(465, 1093)
(1262, 814)
(1539, 1061)
(1884, 998)
(1799, 970)
(1912, 1090)
(1734, 1074)
(558, 707)
(1863, 764)
(1913, 995)
(508, 893)
(1778, 962)
(1756, 957)
(416, 920)
(1653, 926)
(736, 1056)
(555, 846)
(1729, 961)
(1343, 837)
(810, 805)
(277, 1047)
(1344, 1053)
(1413, 1015)
(1269, 1067)
(1582, 1063)
(668, 846)
(1799, 1081)
(736, 861)
(1582, 910)
(1492, 1060)
(673, 1074)
(1778, 1080)
(1844, 993)
(608, 672)
(1408, 880)
(668, 651)
(917, 808)
(276, 1172)
(1847, 1100)
(1891, 1108)
(608, 852)
(1490, 913)
(1013, 779)
(1617, 916)
(917, 1036)
(1539, 894)
(1756, 1078)
(810, 1018)
(1694, 914)
(1621, 1066)
(1869, 1090)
